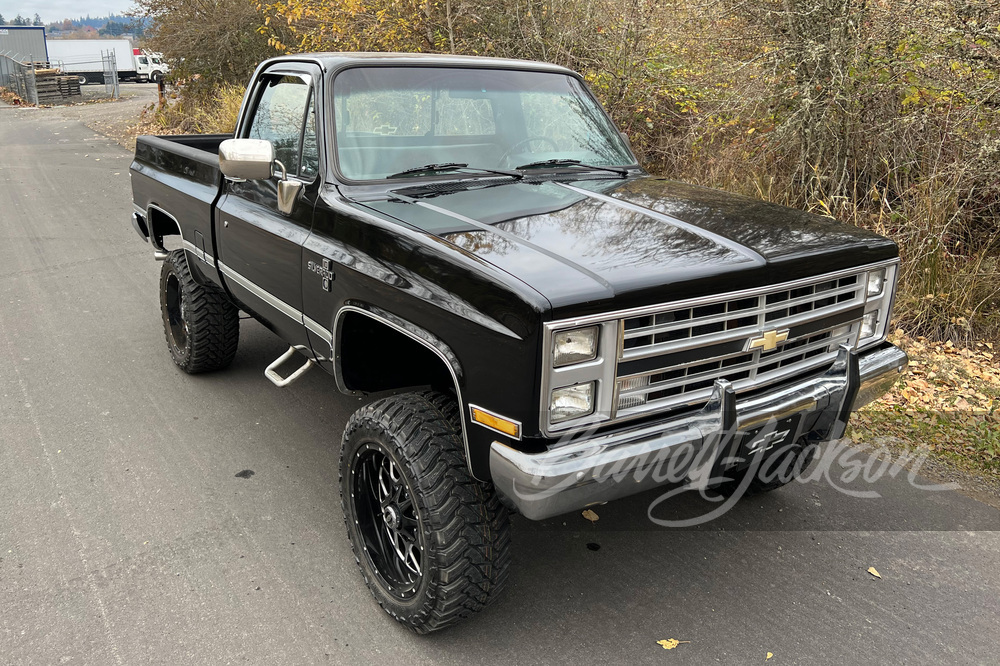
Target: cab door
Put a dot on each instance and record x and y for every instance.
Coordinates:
(260, 247)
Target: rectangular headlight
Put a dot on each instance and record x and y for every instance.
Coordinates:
(869, 324)
(571, 402)
(876, 281)
(574, 346)
(880, 285)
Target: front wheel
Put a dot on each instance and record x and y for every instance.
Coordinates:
(432, 543)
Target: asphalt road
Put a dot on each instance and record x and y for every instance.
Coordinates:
(126, 537)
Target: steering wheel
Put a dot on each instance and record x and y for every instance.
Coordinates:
(524, 142)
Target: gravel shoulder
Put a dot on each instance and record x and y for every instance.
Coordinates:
(115, 119)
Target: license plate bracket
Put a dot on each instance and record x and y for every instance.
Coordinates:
(762, 440)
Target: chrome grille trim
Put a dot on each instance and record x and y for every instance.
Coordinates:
(610, 371)
(755, 378)
(748, 320)
(731, 318)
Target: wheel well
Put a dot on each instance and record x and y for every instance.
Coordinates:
(160, 225)
(375, 357)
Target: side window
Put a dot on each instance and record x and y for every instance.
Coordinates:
(281, 118)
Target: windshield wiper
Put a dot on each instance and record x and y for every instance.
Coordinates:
(452, 166)
(577, 163)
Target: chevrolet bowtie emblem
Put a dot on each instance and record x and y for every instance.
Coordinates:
(767, 341)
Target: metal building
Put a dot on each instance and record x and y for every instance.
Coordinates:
(23, 43)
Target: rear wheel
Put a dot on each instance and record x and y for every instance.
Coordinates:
(201, 324)
(82, 79)
(432, 543)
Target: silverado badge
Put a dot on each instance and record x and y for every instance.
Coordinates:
(767, 341)
(324, 272)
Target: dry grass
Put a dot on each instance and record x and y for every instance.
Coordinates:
(215, 113)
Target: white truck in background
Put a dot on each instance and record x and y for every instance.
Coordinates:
(149, 65)
(85, 59)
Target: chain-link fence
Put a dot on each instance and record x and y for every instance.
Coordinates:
(19, 78)
(60, 82)
(110, 65)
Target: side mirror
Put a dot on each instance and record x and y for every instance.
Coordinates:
(246, 159)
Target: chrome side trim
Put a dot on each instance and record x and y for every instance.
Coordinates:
(440, 354)
(266, 296)
(164, 211)
(198, 252)
(520, 429)
(159, 252)
(325, 334)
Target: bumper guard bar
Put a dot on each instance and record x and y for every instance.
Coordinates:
(584, 470)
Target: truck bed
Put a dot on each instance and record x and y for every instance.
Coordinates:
(179, 174)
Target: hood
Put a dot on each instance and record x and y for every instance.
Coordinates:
(593, 245)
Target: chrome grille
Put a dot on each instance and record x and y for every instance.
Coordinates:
(724, 328)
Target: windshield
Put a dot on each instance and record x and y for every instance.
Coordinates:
(390, 120)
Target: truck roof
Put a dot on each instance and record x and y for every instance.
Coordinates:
(332, 60)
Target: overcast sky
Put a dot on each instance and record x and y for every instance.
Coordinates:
(57, 10)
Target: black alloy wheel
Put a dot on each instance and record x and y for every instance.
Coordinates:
(387, 521)
(432, 542)
(176, 327)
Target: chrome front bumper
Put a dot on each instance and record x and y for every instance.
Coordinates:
(595, 469)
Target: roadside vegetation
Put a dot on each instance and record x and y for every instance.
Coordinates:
(884, 114)
(946, 404)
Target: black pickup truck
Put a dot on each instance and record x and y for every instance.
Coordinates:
(474, 239)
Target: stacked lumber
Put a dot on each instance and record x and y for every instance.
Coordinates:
(55, 89)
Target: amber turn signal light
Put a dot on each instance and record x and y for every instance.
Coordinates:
(498, 423)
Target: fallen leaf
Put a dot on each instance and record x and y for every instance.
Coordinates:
(769, 655)
(590, 515)
(670, 643)
(873, 572)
